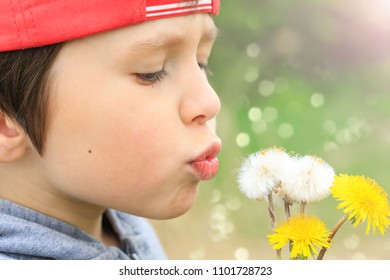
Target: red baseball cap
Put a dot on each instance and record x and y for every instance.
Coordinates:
(35, 23)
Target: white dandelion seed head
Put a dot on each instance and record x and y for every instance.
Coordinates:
(281, 196)
(260, 173)
(308, 181)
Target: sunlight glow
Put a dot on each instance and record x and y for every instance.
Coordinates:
(377, 11)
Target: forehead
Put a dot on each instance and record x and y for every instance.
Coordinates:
(155, 33)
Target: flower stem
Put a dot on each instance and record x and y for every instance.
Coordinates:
(271, 211)
(302, 207)
(287, 209)
(288, 215)
(333, 233)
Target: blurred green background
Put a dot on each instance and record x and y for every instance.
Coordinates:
(308, 75)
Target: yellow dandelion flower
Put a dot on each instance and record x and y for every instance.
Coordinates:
(362, 198)
(305, 233)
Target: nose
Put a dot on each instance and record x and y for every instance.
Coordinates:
(199, 103)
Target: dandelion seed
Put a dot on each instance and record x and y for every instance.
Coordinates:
(309, 181)
(306, 233)
(362, 199)
(260, 172)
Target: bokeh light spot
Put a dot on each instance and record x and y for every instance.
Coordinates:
(330, 146)
(251, 74)
(197, 254)
(359, 256)
(344, 136)
(254, 114)
(351, 242)
(241, 254)
(253, 50)
(215, 196)
(266, 88)
(285, 130)
(243, 140)
(329, 126)
(317, 100)
(233, 204)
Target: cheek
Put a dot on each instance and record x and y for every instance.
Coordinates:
(149, 171)
(117, 156)
(139, 148)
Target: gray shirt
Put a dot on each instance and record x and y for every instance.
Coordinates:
(27, 234)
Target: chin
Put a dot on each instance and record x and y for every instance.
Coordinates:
(177, 212)
(172, 212)
(177, 208)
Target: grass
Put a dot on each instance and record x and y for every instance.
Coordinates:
(303, 49)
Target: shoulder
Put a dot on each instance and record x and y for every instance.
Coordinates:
(138, 232)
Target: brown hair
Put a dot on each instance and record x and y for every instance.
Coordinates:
(24, 89)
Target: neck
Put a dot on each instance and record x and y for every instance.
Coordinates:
(24, 186)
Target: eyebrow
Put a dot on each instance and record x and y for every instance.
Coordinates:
(155, 43)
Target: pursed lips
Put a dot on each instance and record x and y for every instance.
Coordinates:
(206, 163)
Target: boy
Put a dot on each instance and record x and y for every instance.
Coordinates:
(103, 105)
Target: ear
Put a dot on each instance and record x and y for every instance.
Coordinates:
(13, 142)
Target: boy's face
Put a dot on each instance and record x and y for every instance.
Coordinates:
(131, 109)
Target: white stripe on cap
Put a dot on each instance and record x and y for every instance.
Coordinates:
(177, 8)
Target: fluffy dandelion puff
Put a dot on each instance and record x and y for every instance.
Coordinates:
(308, 181)
(306, 233)
(260, 173)
(362, 199)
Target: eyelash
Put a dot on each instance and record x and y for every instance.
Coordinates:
(155, 77)
(151, 78)
(205, 68)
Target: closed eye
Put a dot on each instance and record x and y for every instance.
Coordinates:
(155, 77)
(205, 68)
(151, 78)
